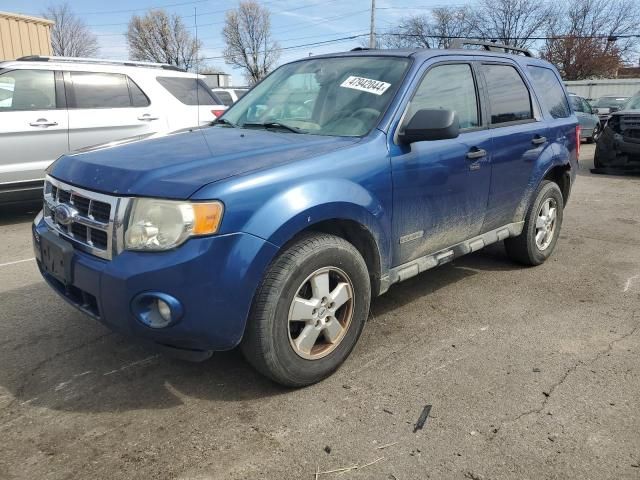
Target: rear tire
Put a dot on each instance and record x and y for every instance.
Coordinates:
(309, 311)
(541, 227)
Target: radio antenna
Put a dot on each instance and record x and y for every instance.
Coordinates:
(197, 60)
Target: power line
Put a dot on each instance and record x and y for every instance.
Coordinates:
(313, 44)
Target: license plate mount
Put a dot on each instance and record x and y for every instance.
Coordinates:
(56, 257)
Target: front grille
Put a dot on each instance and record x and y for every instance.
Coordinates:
(88, 218)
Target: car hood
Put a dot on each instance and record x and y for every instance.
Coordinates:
(176, 166)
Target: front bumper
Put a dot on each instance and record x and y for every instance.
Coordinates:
(214, 278)
(617, 151)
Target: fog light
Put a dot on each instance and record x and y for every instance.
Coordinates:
(156, 309)
(164, 310)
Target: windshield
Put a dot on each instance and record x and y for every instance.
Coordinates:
(325, 96)
(608, 102)
(633, 103)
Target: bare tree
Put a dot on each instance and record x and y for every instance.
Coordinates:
(585, 39)
(70, 36)
(249, 45)
(513, 22)
(159, 37)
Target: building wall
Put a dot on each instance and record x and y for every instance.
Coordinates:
(592, 89)
(21, 35)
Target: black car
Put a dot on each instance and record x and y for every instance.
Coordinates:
(618, 145)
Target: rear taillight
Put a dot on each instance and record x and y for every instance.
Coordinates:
(217, 113)
(577, 142)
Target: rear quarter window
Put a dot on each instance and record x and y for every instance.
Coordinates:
(550, 91)
(189, 91)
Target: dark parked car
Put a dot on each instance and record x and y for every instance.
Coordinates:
(618, 145)
(605, 106)
(332, 179)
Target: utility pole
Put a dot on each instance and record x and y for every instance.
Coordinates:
(372, 33)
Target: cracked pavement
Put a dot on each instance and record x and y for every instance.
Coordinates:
(532, 373)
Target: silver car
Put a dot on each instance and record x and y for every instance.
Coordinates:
(589, 122)
(53, 105)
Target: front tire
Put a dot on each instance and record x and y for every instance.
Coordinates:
(309, 311)
(541, 227)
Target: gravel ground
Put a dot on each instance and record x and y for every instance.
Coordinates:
(531, 373)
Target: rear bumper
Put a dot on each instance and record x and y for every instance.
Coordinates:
(214, 279)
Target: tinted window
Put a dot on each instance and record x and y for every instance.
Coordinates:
(225, 97)
(240, 93)
(27, 90)
(509, 99)
(448, 87)
(189, 91)
(99, 90)
(138, 98)
(550, 91)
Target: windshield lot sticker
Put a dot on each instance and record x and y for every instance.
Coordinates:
(366, 85)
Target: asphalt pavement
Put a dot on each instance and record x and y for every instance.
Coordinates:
(531, 373)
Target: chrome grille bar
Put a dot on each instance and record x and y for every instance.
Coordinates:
(95, 217)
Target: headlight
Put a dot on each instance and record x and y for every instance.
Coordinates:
(164, 224)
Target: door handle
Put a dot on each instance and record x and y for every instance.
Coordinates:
(539, 140)
(476, 153)
(43, 122)
(147, 118)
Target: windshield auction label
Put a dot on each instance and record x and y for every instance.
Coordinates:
(366, 85)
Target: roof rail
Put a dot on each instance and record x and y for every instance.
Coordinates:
(458, 43)
(99, 61)
(360, 49)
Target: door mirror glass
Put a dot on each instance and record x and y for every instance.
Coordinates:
(429, 124)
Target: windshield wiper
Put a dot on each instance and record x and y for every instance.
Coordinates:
(223, 121)
(272, 125)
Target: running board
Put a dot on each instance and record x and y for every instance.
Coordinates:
(422, 264)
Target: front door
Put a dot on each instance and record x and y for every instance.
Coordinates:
(33, 125)
(440, 188)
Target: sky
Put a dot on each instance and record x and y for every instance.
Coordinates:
(293, 22)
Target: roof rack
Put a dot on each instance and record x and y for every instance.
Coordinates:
(99, 61)
(490, 46)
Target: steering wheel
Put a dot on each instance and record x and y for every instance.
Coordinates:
(366, 112)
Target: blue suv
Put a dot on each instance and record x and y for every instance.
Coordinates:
(331, 180)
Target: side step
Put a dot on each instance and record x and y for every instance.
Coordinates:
(422, 264)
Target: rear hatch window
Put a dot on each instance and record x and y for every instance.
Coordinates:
(190, 91)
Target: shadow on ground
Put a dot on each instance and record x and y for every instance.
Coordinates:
(51, 356)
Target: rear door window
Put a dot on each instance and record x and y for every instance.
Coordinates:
(189, 91)
(138, 98)
(99, 90)
(27, 90)
(509, 99)
(550, 91)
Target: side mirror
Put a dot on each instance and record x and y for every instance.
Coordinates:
(595, 110)
(431, 125)
(614, 109)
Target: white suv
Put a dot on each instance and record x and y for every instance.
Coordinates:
(54, 105)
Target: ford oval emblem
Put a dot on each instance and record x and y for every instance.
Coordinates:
(64, 214)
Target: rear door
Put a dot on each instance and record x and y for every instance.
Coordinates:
(108, 106)
(519, 136)
(440, 187)
(33, 124)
